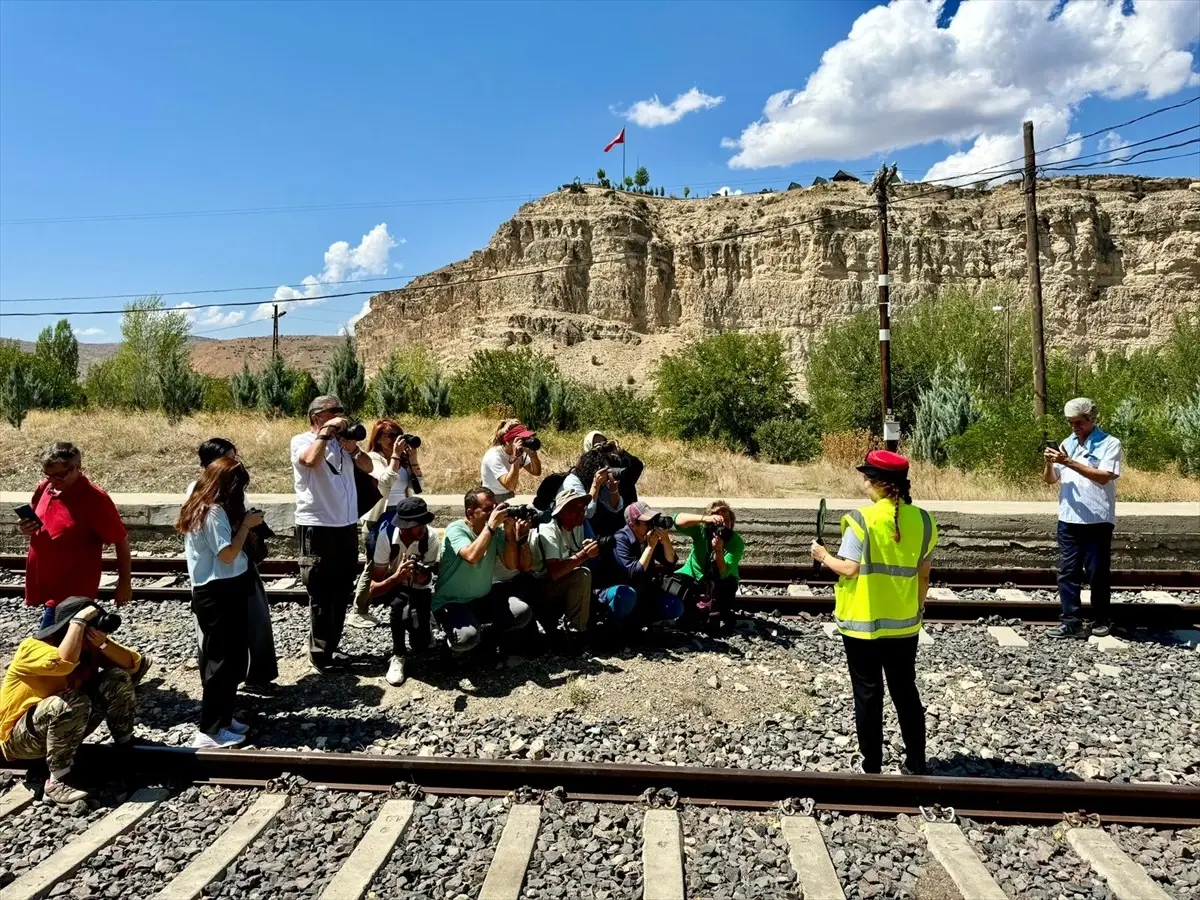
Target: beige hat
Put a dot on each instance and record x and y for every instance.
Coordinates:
(565, 498)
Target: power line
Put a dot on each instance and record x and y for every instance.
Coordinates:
(1160, 137)
(231, 290)
(1128, 160)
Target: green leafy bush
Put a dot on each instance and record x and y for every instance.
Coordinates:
(788, 440)
(56, 364)
(1007, 440)
(615, 409)
(533, 402)
(498, 379)
(564, 405)
(304, 391)
(20, 394)
(391, 390)
(181, 391)
(217, 396)
(243, 387)
(433, 398)
(724, 387)
(1186, 418)
(275, 388)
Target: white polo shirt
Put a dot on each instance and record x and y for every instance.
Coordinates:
(496, 463)
(325, 494)
(1080, 500)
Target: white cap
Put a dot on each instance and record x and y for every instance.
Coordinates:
(1080, 406)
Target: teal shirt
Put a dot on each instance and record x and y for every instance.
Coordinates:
(458, 580)
(697, 561)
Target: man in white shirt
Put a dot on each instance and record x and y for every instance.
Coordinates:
(402, 573)
(327, 524)
(562, 552)
(1086, 467)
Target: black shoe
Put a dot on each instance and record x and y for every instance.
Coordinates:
(907, 768)
(1101, 629)
(261, 689)
(1068, 631)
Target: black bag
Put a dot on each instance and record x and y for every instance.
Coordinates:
(368, 491)
(548, 490)
(256, 548)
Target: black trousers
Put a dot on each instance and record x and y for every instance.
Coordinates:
(328, 568)
(222, 610)
(698, 611)
(410, 615)
(896, 660)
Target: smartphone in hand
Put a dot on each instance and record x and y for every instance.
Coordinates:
(25, 513)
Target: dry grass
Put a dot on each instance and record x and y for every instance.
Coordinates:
(141, 453)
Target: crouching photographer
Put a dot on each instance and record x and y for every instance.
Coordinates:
(62, 683)
(708, 581)
(402, 575)
(629, 574)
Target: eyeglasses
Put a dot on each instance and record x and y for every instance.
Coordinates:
(60, 473)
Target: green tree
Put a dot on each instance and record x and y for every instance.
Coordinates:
(181, 391)
(275, 388)
(304, 391)
(497, 379)
(391, 389)
(641, 177)
(533, 401)
(345, 377)
(56, 359)
(686, 191)
(628, 182)
(218, 397)
(244, 387)
(944, 410)
(602, 178)
(433, 399)
(724, 387)
(1186, 417)
(19, 392)
(788, 440)
(564, 405)
(152, 336)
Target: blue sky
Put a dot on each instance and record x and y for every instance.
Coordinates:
(114, 109)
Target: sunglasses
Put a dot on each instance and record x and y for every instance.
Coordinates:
(58, 474)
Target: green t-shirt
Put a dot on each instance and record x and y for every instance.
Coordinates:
(697, 561)
(458, 580)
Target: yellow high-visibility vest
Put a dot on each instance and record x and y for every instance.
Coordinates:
(881, 600)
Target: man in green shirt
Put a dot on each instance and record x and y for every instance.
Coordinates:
(710, 574)
(464, 599)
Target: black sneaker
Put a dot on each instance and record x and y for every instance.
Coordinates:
(1101, 629)
(907, 768)
(1068, 631)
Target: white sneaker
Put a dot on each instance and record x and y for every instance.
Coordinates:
(237, 727)
(218, 741)
(395, 673)
(355, 619)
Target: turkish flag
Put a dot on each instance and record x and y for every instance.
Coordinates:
(619, 139)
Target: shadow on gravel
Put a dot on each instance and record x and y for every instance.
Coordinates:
(962, 765)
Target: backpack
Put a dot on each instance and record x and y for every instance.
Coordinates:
(548, 490)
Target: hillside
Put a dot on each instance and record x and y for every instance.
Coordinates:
(607, 281)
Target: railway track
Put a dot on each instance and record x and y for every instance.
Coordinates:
(1145, 598)
(792, 813)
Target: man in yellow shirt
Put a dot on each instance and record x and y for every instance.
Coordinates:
(62, 683)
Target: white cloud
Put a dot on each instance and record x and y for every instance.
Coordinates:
(353, 322)
(210, 316)
(371, 258)
(1114, 144)
(898, 80)
(88, 332)
(653, 112)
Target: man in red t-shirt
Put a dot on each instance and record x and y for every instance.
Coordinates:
(65, 547)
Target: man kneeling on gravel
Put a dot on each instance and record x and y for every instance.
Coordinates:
(63, 682)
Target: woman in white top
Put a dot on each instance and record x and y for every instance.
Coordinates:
(396, 466)
(216, 526)
(500, 469)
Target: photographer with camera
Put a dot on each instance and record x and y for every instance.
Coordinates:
(217, 528)
(563, 551)
(402, 572)
(327, 511)
(396, 468)
(626, 467)
(62, 683)
(635, 561)
(594, 476)
(466, 597)
(708, 580)
(514, 447)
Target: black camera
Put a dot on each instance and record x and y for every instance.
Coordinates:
(724, 532)
(107, 622)
(617, 472)
(419, 565)
(661, 520)
(532, 443)
(355, 432)
(524, 512)
(411, 440)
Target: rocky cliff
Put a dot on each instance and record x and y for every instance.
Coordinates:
(607, 281)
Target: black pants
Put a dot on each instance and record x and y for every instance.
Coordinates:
(698, 610)
(1085, 553)
(870, 662)
(410, 615)
(328, 568)
(222, 610)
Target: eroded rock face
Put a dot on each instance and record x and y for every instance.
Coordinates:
(607, 282)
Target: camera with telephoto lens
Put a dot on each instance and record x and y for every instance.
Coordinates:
(617, 472)
(411, 440)
(524, 512)
(533, 443)
(660, 521)
(355, 432)
(724, 532)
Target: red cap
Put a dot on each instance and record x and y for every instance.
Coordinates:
(517, 431)
(885, 464)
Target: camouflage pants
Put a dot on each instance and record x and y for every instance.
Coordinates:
(60, 723)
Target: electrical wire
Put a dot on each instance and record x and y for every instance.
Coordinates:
(1127, 160)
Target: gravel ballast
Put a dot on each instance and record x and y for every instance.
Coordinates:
(733, 855)
(587, 850)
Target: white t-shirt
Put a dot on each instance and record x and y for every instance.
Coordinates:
(494, 464)
(433, 548)
(325, 494)
(1080, 500)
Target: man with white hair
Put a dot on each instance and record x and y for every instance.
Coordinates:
(1086, 467)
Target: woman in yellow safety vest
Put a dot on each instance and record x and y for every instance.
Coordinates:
(884, 564)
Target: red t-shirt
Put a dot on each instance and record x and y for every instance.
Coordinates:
(64, 554)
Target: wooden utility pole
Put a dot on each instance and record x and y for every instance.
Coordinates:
(1035, 275)
(891, 427)
(275, 317)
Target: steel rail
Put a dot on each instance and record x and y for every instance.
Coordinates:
(1019, 799)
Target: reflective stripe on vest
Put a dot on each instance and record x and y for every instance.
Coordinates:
(881, 601)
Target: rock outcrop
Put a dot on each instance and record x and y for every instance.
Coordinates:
(607, 281)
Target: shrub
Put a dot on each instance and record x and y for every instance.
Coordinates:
(564, 405)
(56, 361)
(107, 382)
(391, 390)
(533, 402)
(1149, 438)
(304, 391)
(345, 377)
(243, 387)
(217, 396)
(433, 398)
(943, 411)
(723, 387)
(180, 390)
(19, 392)
(498, 379)
(1007, 440)
(152, 337)
(1186, 418)
(847, 448)
(788, 440)
(615, 409)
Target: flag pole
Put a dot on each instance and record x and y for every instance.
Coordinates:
(622, 162)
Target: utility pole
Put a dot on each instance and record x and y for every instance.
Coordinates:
(891, 427)
(1035, 275)
(275, 317)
